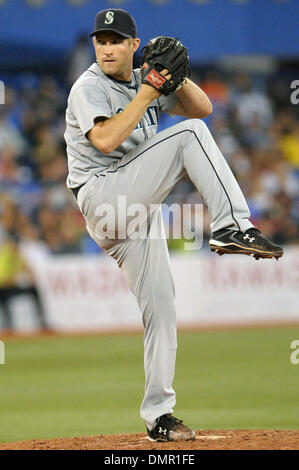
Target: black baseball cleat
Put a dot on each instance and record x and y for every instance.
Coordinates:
(251, 242)
(169, 428)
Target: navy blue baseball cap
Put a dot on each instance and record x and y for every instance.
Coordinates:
(117, 20)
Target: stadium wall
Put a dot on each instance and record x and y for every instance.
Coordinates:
(208, 27)
(91, 294)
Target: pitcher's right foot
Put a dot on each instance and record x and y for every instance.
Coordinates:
(251, 242)
(169, 428)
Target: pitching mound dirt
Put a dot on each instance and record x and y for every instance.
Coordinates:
(205, 440)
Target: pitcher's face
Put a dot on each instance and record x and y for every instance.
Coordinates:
(115, 54)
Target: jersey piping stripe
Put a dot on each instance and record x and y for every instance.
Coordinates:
(196, 137)
(119, 91)
(91, 71)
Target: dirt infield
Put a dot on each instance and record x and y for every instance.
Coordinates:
(205, 440)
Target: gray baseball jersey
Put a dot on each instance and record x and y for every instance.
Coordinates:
(144, 169)
(96, 95)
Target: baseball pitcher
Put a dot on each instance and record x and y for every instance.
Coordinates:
(115, 152)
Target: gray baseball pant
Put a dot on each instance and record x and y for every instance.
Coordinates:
(146, 175)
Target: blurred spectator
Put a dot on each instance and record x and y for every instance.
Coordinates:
(288, 141)
(10, 136)
(16, 278)
(31, 246)
(250, 103)
(217, 90)
(80, 58)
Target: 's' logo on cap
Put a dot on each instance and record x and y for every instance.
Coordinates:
(109, 17)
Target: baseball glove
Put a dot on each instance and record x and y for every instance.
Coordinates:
(169, 53)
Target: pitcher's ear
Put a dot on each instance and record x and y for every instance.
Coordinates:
(136, 44)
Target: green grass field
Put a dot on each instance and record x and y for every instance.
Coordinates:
(73, 386)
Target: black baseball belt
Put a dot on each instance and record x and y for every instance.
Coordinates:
(76, 190)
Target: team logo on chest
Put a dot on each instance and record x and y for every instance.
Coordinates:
(109, 17)
(151, 115)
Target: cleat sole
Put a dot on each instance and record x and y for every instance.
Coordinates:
(241, 251)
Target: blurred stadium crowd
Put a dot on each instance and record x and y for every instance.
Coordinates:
(253, 123)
